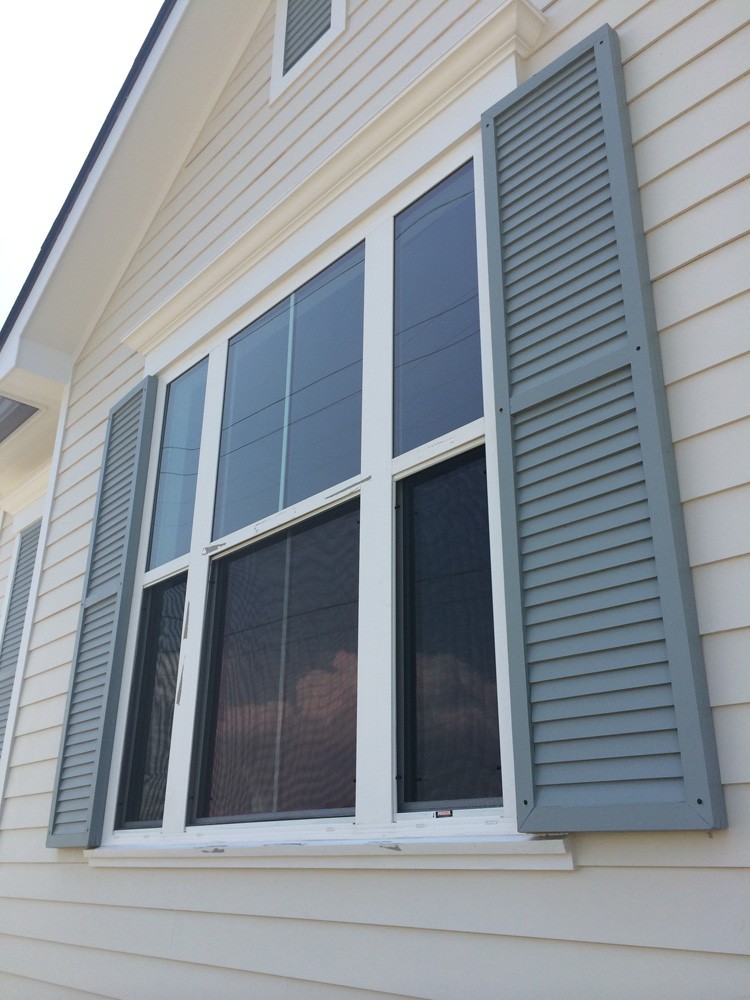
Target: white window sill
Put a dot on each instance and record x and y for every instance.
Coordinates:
(511, 852)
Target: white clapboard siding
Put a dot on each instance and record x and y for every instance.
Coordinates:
(620, 918)
(570, 910)
(706, 340)
(721, 591)
(689, 40)
(33, 989)
(695, 180)
(30, 779)
(702, 283)
(718, 459)
(277, 157)
(405, 962)
(704, 124)
(713, 223)
(728, 686)
(718, 526)
(710, 398)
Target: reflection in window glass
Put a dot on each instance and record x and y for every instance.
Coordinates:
(450, 748)
(144, 777)
(279, 736)
(292, 406)
(437, 364)
(178, 466)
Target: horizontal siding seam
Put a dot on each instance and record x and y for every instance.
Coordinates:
(724, 363)
(400, 927)
(694, 204)
(703, 254)
(683, 65)
(673, 26)
(691, 107)
(687, 319)
(706, 432)
(25, 978)
(568, 26)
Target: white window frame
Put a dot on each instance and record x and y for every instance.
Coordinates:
(376, 818)
(281, 80)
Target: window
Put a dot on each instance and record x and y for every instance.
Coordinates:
(275, 733)
(320, 644)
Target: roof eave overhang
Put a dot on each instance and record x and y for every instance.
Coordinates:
(176, 79)
(176, 87)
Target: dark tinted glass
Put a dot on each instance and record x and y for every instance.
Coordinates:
(292, 408)
(448, 720)
(438, 372)
(280, 729)
(178, 466)
(144, 777)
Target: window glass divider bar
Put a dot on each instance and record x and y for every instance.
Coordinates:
(375, 802)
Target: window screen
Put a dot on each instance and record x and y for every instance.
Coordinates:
(280, 708)
(449, 741)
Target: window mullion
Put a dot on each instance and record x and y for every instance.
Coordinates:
(375, 692)
(178, 779)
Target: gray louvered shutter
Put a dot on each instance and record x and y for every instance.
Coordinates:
(86, 746)
(612, 727)
(306, 22)
(18, 601)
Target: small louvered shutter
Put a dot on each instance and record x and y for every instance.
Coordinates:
(86, 746)
(306, 22)
(18, 600)
(611, 722)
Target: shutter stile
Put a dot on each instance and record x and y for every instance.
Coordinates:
(15, 619)
(611, 721)
(85, 752)
(306, 22)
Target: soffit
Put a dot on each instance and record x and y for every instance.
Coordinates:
(183, 75)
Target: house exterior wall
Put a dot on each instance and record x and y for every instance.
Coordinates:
(643, 914)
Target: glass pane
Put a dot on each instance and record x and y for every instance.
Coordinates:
(450, 743)
(292, 408)
(144, 776)
(178, 466)
(281, 701)
(326, 385)
(253, 423)
(438, 372)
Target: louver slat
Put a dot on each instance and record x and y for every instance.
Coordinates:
(83, 767)
(18, 600)
(306, 22)
(611, 722)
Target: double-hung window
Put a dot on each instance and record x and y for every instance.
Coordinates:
(287, 596)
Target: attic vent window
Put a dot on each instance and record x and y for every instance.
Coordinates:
(306, 22)
(12, 415)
